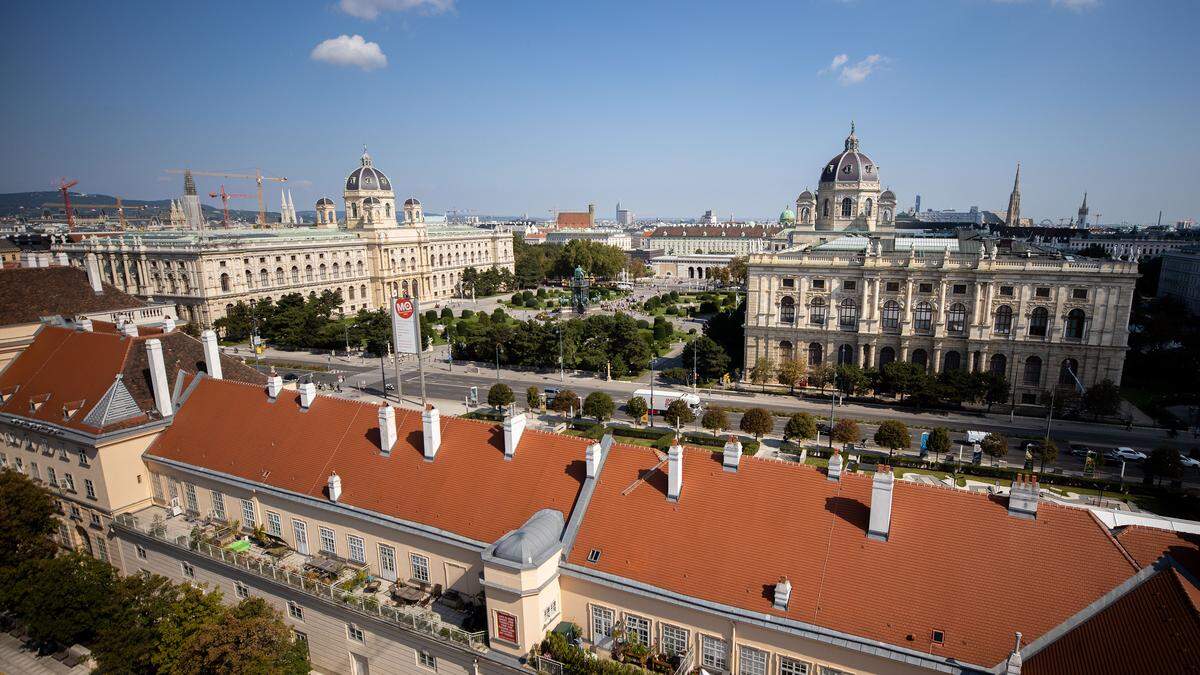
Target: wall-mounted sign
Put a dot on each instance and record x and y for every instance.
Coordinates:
(506, 627)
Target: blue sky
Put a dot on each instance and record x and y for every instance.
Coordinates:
(669, 107)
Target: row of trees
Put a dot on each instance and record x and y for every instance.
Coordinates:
(537, 263)
(137, 624)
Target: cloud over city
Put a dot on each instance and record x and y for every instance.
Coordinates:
(852, 73)
(371, 9)
(350, 51)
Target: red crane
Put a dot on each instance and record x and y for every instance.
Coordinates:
(63, 187)
(225, 197)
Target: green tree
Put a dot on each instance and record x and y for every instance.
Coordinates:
(893, 435)
(250, 638)
(27, 520)
(846, 431)
(596, 259)
(1163, 462)
(800, 426)
(533, 397)
(710, 360)
(939, 441)
(1047, 451)
(994, 446)
(1102, 399)
(821, 375)
(636, 408)
(851, 379)
(662, 329)
(763, 371)
(65, 599)
(500, 395)
(995, 389)
(791, 372)
(900, 377)
(678, 413)
(715, 419)
(565, 401)
(599, 405)
(757, 421)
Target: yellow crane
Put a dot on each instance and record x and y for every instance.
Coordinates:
(72, 207)
(257, 177)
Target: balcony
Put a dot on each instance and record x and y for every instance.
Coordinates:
(347, 588)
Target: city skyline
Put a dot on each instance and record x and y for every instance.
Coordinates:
(524, 109)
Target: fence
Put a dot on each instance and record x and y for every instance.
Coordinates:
(422, 622)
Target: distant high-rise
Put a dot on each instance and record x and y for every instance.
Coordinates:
(1081, 220)
(1013, 217)
(917, 208)
(624, 217)
(191, 203)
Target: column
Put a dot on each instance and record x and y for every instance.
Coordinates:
(908, 302)
(937, 359)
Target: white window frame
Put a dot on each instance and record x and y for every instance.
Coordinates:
(90, 488)
(274, 524)
(675, 640)
(189, 490)
(752, 661)
(156, 487)
(241, 590)
(295, 611)
(600, 623)
(419, 567)
(327, 539)
(300, 536)
(714, 653)
(790, 666)
(357, 548)
(218, 504)
(141, 551)
(355, 634)
(639, 626)
(426, 660)
(101, 549)
(387, 563)
(188, 570)
(249, 521)
(68, 480)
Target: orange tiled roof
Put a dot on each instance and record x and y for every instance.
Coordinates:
(574, 219)
(955, 561)
(1148, 544)
(469, 489)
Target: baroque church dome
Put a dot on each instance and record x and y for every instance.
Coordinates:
(850, 165)
(367, 177)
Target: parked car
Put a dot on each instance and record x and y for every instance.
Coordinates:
(1079, 450)
(1189, 462)
(1126, 454)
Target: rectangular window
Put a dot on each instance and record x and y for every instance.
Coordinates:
(68, 481)
(713, 653)
(1079, 294)
(789, 283)
(1042, 292)
(51, 476)
(925, 288)
(75, 514)
(420, 567)
(892, 287)
(637, 627)
(241, 590)
(218, 504)
(295, 611)
(849, 285)
(101, 549)
(248, 519)
(193, 504)
(33, 471)
(387, 562)
(674, 639)
(358, 552)
(792, 667)
(96, 520)
(188, 570)
(19, 465)
(141, 552)
(960, 289)
(90, 488)
(300, 637)
(173, 487)
(1006, 291)
(328, 540)
(274, 524)
(355, 633)
(602, 623)
(818, 284)
(300, 532)
(83, 460)
(426, 660)
(751, 661)
(156, 487)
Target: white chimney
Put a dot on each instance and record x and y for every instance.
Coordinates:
(86, 324)
(274, 386)
(212, 354)
(674, 471)
(1023, 497)
(881, 503)
(93, 273)
(335, 487)
(63, 260)
(43, 260)
(592, 457)
(733, 454)
(1013, 665)
(168, 325)
(387, 428)
(514, 426)
(158, 378)
(431, 431)
(28, 259)
(835, 466)
(783, 593)
(308, 394)
(129, 329)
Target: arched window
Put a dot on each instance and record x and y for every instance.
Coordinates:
(249, 279)
(308, 273)
(225, 284)
(279, 281)
(848, 314)
(921, 358)
(952, 361)
(1075, 322)
(845, 354)
(354, 209)
(359, 268)
(998, 365)
(825, 208)
(847, 207)
(956, 320)
(1038, 321)
(867, 207)
(886, 355)
(404, 287)
(337, 271)
(923, 316)
(887, 216)
(323, 272)
(1003, 322)
(815, 352)
(786, 351)
(295, 274)
(351, 292)
(816, 313)
(891, 315)
(804, 215)
(1068, 372)
(787, 310)
(387, 209)
(362, 292)
(1033, 370)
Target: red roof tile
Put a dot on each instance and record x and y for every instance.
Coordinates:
(574, 219)
(954, 561)
(1148, 544)
(469, 489)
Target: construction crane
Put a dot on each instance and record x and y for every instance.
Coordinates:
(71, 208)
(64, 187)
(257, 177)
(225, 197)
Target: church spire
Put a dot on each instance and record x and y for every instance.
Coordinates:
(1013, 217)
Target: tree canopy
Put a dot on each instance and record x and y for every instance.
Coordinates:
(715, 419)
(636, 408)
(893, 435)
(800, 426)
(678, 413)
(27, 520)
(757, 421)
(599, 405)
(500, 395)
(710, 359)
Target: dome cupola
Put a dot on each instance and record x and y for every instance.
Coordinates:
(367, 177)
(850, 165)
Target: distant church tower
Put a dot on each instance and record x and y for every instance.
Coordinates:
(287, 211)
(191, 203)
(1081, 221)
(177, 220)
(1013, 218)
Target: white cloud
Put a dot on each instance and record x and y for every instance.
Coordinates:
(861, 70)
(371, 9)
(347, 50)
(837, 62)
(1076, 5)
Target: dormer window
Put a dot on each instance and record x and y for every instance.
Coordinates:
(593, 555)
(939, 637)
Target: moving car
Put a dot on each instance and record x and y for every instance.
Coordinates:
(1189, 462)
(1079, 450)
(976, 436)
(1126, 454)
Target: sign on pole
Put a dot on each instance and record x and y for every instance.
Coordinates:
(406, 329)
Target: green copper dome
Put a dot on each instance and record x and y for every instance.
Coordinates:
(787, 216)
